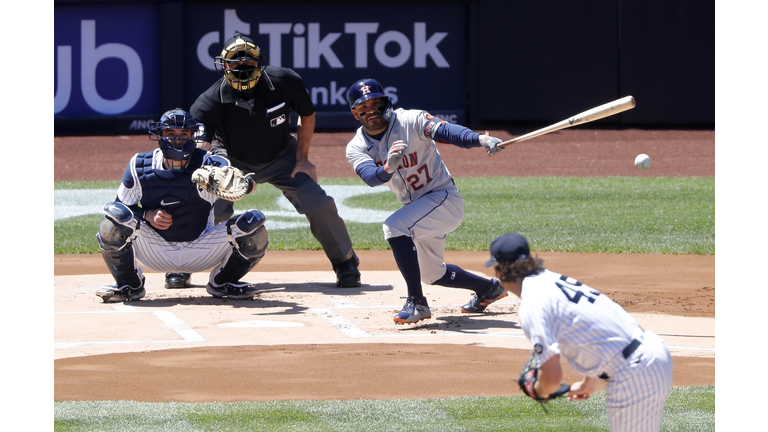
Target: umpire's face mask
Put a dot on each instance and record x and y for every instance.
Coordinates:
(242, 76)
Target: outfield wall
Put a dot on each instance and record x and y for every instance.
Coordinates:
(120, 64)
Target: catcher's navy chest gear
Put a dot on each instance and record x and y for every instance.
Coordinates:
(173, 192)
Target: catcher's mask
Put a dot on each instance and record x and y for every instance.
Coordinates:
(368, 88)
(177, 148)
(231, 63)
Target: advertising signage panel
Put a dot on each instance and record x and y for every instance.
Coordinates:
(418, 56)
(113, 63)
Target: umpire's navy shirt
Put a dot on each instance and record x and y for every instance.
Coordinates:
(261, 133)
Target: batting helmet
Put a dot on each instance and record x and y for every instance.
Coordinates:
(177, 148)
(239, 49)
(366, 89)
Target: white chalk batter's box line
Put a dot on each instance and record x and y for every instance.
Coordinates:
(170, 320)
(351, 330)
(338, 322)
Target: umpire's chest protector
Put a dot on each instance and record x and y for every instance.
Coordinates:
(176, 194)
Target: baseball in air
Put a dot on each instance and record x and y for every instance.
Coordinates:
(642, 161)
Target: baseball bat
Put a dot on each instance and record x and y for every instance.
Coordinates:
(596, 113)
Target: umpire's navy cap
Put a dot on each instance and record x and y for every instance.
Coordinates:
(508, 248)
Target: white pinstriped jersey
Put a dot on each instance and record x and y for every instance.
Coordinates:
(422, 170)
(563, 316)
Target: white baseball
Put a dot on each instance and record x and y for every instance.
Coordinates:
(642, 161)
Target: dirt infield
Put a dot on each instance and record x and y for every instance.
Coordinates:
(346, 346)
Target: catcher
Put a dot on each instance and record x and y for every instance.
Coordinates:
(600, 340)
(162, 218)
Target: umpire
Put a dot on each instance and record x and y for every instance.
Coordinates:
(246, 114)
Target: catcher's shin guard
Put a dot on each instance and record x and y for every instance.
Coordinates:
(116, 231)
(248, 248)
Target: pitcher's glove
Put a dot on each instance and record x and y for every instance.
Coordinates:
(527, 379)
(225, 182)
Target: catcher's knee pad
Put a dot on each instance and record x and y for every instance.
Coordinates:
(250, 237)
(117, 226)
(116, 231)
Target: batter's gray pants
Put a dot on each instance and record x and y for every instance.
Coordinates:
(306, 196)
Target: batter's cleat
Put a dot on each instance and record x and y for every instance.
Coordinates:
(347, 274)
(479, 303)
(234, 291)
(415, 310)
(122, 294)
(178, 280)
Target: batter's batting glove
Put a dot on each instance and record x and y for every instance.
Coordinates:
(491, 144)
(395, 156)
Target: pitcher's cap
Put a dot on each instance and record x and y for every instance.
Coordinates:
(508, 248)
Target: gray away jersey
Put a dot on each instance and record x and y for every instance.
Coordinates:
(422, 170)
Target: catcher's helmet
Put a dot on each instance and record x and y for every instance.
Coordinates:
(365, 89)
(239, 49)
(177, 149)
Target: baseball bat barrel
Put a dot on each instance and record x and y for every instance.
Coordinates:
(596, 113)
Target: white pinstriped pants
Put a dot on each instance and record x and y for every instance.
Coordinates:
(636, 393)
(210, 249)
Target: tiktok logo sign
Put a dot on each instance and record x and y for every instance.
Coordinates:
(311, 49)
(101, 63)
(331, 47)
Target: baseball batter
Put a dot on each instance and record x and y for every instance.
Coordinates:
(397, 148)
(164, 221)
(598, 338)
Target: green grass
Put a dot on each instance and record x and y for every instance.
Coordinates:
(674, 215)
(621, 215)
(688, 408)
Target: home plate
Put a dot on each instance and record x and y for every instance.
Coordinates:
(261, 323)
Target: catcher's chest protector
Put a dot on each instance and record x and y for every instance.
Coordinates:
(175, 194)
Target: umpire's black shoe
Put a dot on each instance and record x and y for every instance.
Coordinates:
(347, 274)
(178, 280)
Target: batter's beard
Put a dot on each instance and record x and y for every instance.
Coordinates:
(375, 128)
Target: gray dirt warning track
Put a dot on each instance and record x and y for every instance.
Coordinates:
(313, 341)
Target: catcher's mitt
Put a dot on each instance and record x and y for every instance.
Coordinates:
(225, 182)
(527, 379)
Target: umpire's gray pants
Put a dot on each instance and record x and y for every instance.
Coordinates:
(304, 194)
